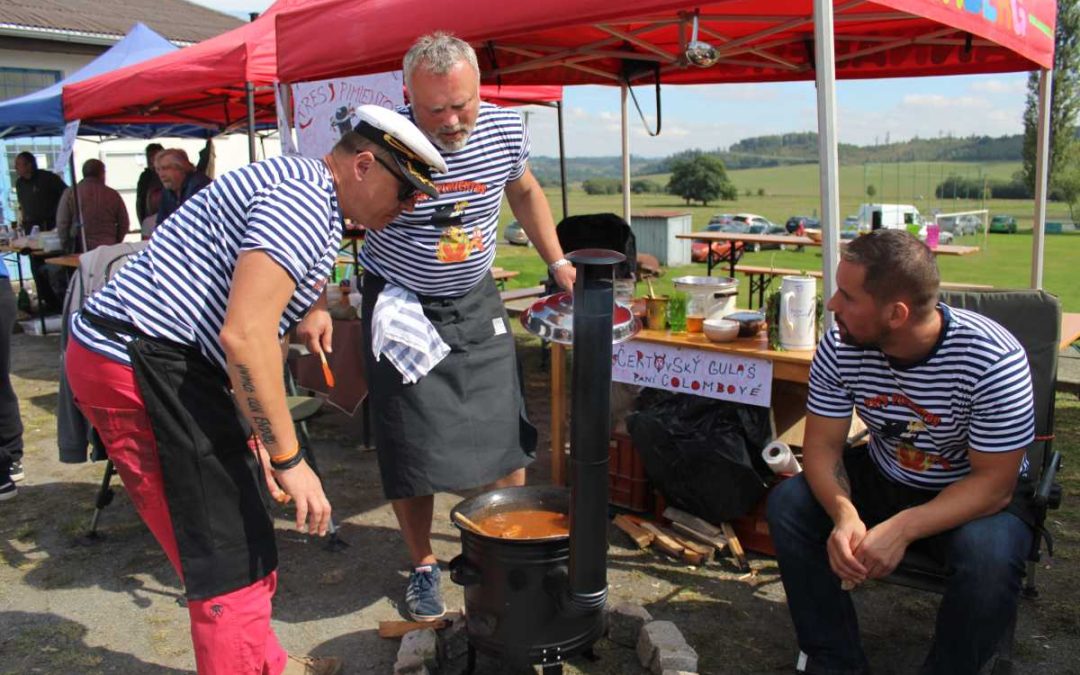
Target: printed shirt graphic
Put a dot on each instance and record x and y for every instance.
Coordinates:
(178, 287)
(447, 245)
(972, 392)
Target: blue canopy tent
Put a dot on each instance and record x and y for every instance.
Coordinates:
(41, 113)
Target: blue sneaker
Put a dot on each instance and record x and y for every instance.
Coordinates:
(423, 598)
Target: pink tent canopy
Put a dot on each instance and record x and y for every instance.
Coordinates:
(592, 41)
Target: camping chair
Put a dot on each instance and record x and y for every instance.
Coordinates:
(1034, 318)
(598, 230)
(303, 408)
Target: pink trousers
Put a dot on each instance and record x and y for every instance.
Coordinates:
(231, 633)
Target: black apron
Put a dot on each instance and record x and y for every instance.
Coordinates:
(217, 498)
(463, 424)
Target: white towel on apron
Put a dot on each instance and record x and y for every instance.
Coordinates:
(401, 332)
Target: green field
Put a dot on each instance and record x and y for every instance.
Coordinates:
(1005, 262)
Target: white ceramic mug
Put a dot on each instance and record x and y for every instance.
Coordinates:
(798, 309)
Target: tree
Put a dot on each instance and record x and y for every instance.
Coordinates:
(1067, 180)
(700, 178)
(1064, 98)
(871, 191)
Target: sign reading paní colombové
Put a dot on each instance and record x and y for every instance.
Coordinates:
(693, 371)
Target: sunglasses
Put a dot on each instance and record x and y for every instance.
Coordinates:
(406, 190)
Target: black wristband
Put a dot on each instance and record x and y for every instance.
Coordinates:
(287, 464)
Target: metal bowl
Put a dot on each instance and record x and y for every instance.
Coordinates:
(552, 318)
(706, 284)
(750, 323)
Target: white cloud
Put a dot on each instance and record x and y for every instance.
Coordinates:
(943, 102)
(1012, 86)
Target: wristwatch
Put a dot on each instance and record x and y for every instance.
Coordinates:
(561, 262)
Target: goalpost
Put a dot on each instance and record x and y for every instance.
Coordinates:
(965, 223)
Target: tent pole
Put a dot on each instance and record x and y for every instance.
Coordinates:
(825, 58)
(249, 89)
(624, 90)
(562, 161)
(75, 196)
(1042, 166)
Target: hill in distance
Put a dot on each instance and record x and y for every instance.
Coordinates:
(794, 148)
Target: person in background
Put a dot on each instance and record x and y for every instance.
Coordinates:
(946, 396)
(11, 428)
(167, 357)
(148, 190)
(104, 215)
(179, 178)
(450, 416)
(39, 195)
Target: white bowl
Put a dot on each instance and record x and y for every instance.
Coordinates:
(721, 330)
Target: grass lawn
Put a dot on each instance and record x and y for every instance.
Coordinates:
(1005, 261)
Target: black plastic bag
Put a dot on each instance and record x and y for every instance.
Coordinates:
(704, 455)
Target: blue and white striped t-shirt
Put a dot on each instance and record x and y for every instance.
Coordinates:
(972, 392)
(416, 253)
(178, 287)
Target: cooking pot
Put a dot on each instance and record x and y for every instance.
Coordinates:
(516, 590)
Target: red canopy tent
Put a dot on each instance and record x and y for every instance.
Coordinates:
(642, 41)
(589, 41)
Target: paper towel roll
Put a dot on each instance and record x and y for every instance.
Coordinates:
(780, 458)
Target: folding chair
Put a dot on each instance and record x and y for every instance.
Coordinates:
(1034, 318)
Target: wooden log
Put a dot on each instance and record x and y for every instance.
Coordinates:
(692, 522)
(396, 629)
(701, 553)
(735, 546)
(717, 542)
(642, 537)
(663, 541)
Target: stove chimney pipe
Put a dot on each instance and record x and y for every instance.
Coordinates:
(590, 426)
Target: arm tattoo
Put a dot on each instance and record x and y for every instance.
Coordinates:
(255, 407)
(840, 473)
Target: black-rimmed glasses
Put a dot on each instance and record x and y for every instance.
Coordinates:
(407, 190)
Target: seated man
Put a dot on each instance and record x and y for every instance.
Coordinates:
(946, 395)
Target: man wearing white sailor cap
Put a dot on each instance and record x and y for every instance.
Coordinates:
(188, 331)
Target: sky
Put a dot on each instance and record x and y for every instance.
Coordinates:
(716, 116)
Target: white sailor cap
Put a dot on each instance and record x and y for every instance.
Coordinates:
(413, 152)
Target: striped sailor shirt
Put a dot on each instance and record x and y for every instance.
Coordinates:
(447, 245)
(178, 287)
(973, 392)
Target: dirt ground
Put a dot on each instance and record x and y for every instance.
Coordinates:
(116, 606)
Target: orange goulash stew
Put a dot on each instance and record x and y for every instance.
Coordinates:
(526, 524)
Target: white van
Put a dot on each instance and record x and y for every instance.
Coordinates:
(888, 216)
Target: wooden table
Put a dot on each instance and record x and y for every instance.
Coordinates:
(786, 240)
(69, 260)
(791, 373)
(1070, 328)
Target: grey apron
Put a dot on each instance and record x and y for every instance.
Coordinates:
(463, 424)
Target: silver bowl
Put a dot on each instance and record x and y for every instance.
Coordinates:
(552, 318)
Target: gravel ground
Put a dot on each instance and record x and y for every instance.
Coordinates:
(116, 606)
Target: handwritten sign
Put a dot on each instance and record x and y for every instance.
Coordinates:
(323, 107)
(693, 371)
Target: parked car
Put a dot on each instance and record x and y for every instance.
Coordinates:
(960, 225)
(699, 249)
(944, 236)
(799, 224)
(755, 224)
(1004, 224)
(515, 234)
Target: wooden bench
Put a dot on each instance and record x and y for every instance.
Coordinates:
(518, 300)
(761, 278)
(502, 275)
